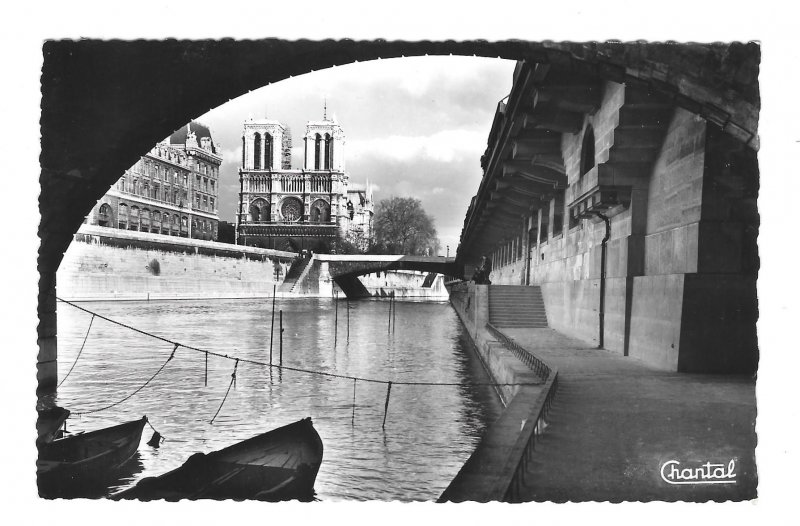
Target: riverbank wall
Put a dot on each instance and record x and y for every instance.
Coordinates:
(112, 264)
(494, 469)
(103, 264)
(471, 303)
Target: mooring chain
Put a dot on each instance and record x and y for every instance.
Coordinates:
(79, 353)
(171, 356)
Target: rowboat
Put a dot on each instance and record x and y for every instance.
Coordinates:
(281, 464)
(80, 464)
(49, 422)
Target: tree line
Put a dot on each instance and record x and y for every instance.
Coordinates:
(400, 226)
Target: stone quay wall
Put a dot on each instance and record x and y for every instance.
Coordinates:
(111, 264)
(493, 465)
(471, 303)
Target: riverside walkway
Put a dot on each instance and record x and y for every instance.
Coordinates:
(616, 421)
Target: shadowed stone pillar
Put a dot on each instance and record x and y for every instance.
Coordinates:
(46, 362)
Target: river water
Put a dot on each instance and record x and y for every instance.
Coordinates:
(429, 432)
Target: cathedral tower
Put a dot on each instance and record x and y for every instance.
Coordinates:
(263, 144)
(324, 145)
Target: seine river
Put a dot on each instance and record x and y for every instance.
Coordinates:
(429, 432)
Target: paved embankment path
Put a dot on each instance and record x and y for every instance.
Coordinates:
(615, 421)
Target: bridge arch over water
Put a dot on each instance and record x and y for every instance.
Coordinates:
(345, 269)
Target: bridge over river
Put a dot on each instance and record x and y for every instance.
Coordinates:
(322, 270)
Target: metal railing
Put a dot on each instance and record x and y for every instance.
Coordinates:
(527, 357)
(530, 432)
(522, 451)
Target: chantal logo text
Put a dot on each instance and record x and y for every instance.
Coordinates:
(674, 473)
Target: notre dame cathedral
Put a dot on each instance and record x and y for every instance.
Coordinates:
(312, 208)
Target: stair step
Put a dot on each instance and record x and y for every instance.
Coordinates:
(518, 308)
(521, 326)
(519, 317)
(517, 322)
(524, 315)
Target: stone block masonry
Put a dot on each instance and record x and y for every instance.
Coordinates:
(109, 264)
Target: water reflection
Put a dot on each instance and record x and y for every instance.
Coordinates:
(429, 431)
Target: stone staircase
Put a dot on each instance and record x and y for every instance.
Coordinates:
(516, 306)
(296, 272)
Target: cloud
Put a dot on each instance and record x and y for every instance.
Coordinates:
(443, 146)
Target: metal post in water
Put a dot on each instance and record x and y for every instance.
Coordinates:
(348, 320)
(272, 327)
(336, 316)
(389, 327)
(386, 405)
(280, 356)
(352, 419)
(394, 313)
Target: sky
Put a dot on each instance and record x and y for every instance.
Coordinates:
(414, 127)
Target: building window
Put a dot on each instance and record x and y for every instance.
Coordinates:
(292, 209)
(320, 211)
(211, 203)
(104, 215)
(259, 211)
(328, 152)
(587, 151)
(257, 152)
(317, 141)
(267, 151)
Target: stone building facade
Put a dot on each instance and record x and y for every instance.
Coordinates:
(295, 209)
(634, 213)
(172, 190)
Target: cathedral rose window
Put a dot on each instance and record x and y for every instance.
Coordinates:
(292, 209)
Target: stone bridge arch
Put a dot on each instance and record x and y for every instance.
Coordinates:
(101, 108)
(344, 270)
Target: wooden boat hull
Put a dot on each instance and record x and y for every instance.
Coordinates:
(281, 464)
(49, 422)
(79, 465)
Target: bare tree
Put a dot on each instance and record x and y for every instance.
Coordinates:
(403, 227)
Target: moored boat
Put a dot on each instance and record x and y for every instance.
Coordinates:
(49, 423)
(281, 464)
(78, 465)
